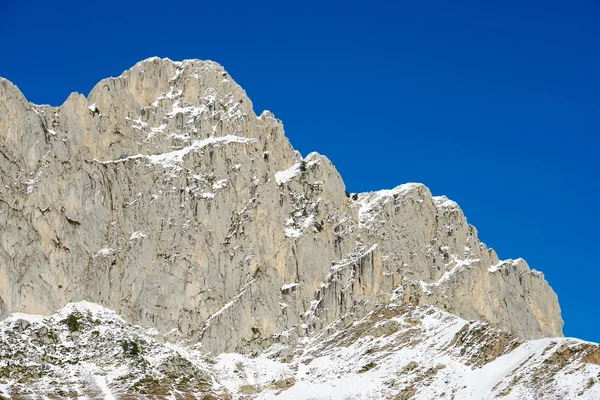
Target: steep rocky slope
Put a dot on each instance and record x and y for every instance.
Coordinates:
(394, 352)
(163, 196)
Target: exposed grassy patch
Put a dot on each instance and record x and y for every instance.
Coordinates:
(72, 322)
(367, 367)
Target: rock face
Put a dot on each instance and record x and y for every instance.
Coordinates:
(164, 197)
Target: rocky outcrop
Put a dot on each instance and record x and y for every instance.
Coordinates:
(85, 351)
(163, 196)
(397, 351)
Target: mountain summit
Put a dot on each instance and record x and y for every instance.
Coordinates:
(162, 196)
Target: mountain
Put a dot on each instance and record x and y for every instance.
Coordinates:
(162, 196)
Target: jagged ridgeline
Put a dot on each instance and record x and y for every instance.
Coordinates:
(164, 197)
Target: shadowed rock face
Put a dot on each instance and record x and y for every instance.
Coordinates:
(163, 196)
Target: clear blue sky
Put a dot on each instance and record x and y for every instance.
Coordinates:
(496, 106)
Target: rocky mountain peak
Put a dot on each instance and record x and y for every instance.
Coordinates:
(164, 197)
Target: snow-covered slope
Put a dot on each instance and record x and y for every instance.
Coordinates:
(86, 351)
(395, 352)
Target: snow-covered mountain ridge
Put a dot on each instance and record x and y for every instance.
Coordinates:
(395, 351)
(163, 196)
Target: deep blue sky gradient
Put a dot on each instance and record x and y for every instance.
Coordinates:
(495, 106)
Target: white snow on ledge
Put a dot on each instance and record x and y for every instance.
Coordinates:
(453, 269)
(105, 252)
(138, 235)
(287, 174)
(445, 203)
(34, 318)
(229, 304)
(498, 267)
(81, 306)
(289, 286)
(175, 157)
(368, 200)
(294, 233)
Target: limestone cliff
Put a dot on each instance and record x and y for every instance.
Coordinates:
(164, 197)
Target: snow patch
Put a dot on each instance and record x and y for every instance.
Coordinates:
(173, 158)
(287, 174)
(369, 200)
(101, 382)
(452, 268)
(34, 318)
(289, 286)
(296, 232)
(444, 203)
(221, 183)
(138, 235)
(105, 252)
(230, 303)
(499, 265)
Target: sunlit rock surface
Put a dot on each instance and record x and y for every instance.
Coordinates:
(164, 197)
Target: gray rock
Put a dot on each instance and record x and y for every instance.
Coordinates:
(164, 197)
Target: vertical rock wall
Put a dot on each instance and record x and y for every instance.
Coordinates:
(163, 196)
